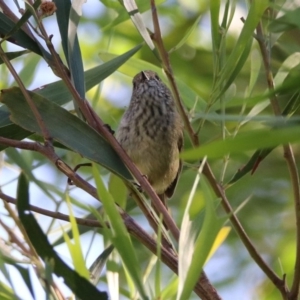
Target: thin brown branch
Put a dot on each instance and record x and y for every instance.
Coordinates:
(14, 239)
(20, 144)
(157, 39)
(288, 155)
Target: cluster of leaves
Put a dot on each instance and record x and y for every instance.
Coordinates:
(239, 97)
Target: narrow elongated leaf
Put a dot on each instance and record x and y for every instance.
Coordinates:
(288, 21)
(12, 55)
(62, 17)
(68, 15)
(7, 293)
(65, 128)
(14, 132)
(99, 263)
(253, 162)
(75, 246)
(255, 139)
(26, 15)
(215, 27)
(261, 154)
(238, 56)
(21, 38)
(74, 58)
(120, 238)
(78, 284)
(137, 20)
(198, 232)
(20, 161)
(187, 34)
(74, 52)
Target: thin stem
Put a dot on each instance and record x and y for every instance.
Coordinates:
(288, 155)
(157, 39)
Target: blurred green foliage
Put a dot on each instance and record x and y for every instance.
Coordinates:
(198, 59)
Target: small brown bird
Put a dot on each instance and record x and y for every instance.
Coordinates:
(151, 133)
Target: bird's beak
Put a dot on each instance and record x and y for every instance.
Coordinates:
(145, 76)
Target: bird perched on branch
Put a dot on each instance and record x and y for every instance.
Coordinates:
(151, 133)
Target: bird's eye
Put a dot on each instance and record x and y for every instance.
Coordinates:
(157, 78)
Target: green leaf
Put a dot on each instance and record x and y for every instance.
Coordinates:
(239, 55)
(25, 16)
(68, 15)
(253, 162)
(255, 70)
(255, 139)
(215, 27)
(74, 53)
(21, 38)
(75, 248)
(12, 55)
(261, 154)
(58, 93)
(198, 233)
(62, 16)
(120, 238)
(65, 128)
(20, 161)
(78, 284)
(118, 190)
(98, 265)
(187, 34)
(6, 293)
(288, 21)
(5, 290)
(28, 71)
(23, 188)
